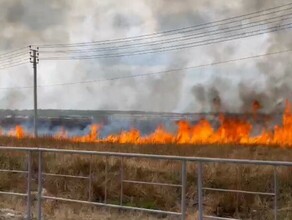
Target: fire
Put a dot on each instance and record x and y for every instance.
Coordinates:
(256, 106)
(62, 134)
(91, 137)
(229, 131)
(17, 132)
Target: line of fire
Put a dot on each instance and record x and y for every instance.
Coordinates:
(243, 129)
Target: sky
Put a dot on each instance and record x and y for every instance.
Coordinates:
(235, 85)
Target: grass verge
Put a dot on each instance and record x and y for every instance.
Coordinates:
(243, 177)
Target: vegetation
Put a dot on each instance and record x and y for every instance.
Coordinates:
(253, 178)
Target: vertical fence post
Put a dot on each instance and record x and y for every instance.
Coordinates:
(105, 181)
(200, 192)
(183, 189)
(122, 180)
(276, 193)
(237, 195)
(40, 184)
(29, 185)
(90, 179)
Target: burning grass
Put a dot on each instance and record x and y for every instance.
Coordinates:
(254, 178)
(231, 138)
(225, 130)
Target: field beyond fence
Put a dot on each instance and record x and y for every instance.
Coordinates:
(215, 175)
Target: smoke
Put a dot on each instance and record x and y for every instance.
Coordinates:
(230, 87)
(268, 80)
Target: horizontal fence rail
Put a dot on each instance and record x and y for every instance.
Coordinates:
(182, 186)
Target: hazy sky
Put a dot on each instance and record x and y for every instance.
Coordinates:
(25, 22)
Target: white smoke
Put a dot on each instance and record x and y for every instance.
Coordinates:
(25, 22)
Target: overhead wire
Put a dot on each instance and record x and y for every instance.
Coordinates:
(176, 47)
(175, 70)
(13, 58)
(177, 39)
(13, 51)
(12, 61)
(154, 73)
(17, 57)
(162, 33)
(13, 65)
(181, 42)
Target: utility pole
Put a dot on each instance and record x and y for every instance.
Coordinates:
(34, 59)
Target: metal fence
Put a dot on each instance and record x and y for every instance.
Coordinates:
(200, 161)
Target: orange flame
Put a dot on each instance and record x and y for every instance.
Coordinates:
(62, 134)
(17, 132)
(230, 131)
(256, 105)
(91, 137)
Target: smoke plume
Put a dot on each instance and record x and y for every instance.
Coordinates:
(230, 87)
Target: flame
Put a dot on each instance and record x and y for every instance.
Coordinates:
(256, 105)
(62, 134)
(17, 132)
(91, 137)
(230, 131)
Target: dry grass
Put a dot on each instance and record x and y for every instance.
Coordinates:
(254, 178)
(75, 212)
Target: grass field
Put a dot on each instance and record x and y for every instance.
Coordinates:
(254, 178)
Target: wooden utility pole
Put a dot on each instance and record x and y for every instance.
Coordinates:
(34, 59)
(37, 161)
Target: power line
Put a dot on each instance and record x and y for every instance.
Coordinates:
(13, 51)
(178, 47)
(122, 40)
(13, 65)
(14, 60)
(14, 56)
(154, 73)
(176, 39)
(17, 57)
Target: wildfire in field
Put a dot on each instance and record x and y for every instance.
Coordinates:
(229, 131)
